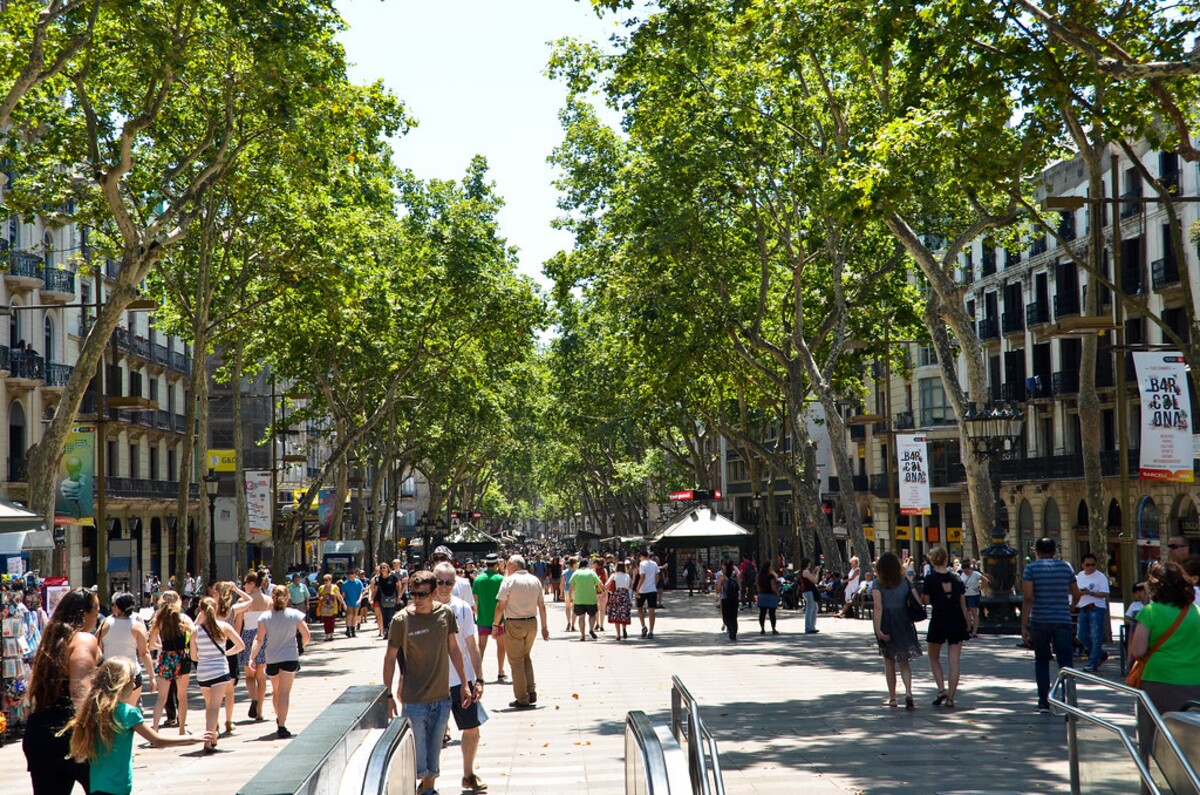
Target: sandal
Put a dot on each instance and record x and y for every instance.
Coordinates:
(891, 702)
(949, 703)
(229, 727)
(909, 704)
(937, 702)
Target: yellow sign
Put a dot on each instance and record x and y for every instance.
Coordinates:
(298, 494)
(917, 534)
(954, 535)
(222, 460)
(901, 534)
(869, 533)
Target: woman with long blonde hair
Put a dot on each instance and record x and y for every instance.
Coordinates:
(208, 648)
(103, 726)
(171, 628)
(277, 638)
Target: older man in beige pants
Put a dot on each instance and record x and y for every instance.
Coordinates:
(520, 604)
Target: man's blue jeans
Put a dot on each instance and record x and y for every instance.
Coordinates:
(1091, 632)
(429, 724)
(1049, 640)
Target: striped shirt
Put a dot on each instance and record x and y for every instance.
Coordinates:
(1052, 581)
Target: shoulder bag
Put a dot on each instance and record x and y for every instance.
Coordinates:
(916, 610)
(1138, 669)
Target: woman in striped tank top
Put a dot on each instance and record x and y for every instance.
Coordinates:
(212, 666)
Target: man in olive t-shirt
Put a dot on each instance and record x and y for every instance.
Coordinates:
(422, 639)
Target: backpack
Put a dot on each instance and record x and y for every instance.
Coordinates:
(731, 588)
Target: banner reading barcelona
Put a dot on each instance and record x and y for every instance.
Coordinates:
(913, 454)
(1166, 447)
(258, 501)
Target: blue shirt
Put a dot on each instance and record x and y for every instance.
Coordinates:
(112, 770)
(1052, 580)
(352, 591)
(539, 568)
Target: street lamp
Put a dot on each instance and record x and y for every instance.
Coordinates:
(994, 433)
(211, 484)
(757, 503)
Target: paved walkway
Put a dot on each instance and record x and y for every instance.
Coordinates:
(789, 710)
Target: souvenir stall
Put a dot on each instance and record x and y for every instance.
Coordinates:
(21, 615)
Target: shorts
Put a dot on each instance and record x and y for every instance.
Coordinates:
(585, 610)
(138, 681)
(172, 664)
(291, 666)
(649, 600)
(472, 717)
(973, 601)
(429, 722)
(483, 630)
(220, 680)
(235, 670)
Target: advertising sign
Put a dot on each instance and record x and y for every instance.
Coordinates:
(325, 500)
(76, 478)
(259, 503)
(1166, 447)
(222, 460)
(912, 453)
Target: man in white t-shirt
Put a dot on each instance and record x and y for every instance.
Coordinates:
(1093, 610)
(646, 587)
(972, 579)
(467, 719)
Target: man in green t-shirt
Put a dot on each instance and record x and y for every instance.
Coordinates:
(485, 588)
(585, 594)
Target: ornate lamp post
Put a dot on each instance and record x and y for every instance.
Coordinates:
(994, 433)
(211, 485)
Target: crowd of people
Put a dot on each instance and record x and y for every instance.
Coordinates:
(90, 671)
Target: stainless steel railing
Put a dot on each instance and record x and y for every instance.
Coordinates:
(652, 766)
(392, 766)
(689, 731)
(1064, 698)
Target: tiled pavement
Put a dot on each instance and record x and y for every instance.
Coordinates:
(788, 712)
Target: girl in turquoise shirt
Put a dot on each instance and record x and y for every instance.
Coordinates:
(104, 725)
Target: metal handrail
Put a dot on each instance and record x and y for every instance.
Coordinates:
(1066, 684)
(379, 779)
(701, 747)
(649, 775)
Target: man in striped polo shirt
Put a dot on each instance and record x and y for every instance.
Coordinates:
(1048, 590)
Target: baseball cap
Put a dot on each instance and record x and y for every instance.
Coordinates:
(443, 550)
(491, 558)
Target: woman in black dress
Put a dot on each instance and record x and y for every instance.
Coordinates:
(948, 625)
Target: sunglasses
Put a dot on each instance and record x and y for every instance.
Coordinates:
(421, 594)
(445, 582)
(1177, 546)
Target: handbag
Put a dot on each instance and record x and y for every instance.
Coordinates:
(1138, 669)
(916, 610)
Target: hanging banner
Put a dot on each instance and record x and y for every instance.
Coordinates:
(325, 501)
(913, 455)
(1166, 444)
(76, 478)
(259, 503)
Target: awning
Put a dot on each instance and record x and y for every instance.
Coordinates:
(18, 519)
(352, 547)
(700, 527)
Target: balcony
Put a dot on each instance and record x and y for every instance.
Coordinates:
(1037, 314)
(145, 488)
(1065, 382)
(1164, 272)
(112, 268)
(879, 485)
(1012, 323)
(163, 420)
(25, 270)
(858, 433)
(57, 375)
(181, 363)
(989, 329)
(1130, 209)
(4, 358)
(60, 285)
(26, 366)
(861, 483)
(161, 355)
(1012, 392)
(988, 262)
(141, 347)
(1066, 305)
(904, 421)
(18, 470)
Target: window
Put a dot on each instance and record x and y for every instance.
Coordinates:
(171, 476)
(48, 339)
(48, 250)
(153, 462)
(134, 461)
(14, 326)
(926, 356)
(935, 410)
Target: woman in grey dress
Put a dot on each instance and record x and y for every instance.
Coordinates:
(895, 631)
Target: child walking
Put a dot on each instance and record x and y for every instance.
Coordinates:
(103, 729)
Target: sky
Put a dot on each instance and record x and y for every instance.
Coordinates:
(472, 72)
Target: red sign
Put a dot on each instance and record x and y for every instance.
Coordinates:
(681, 495)
(696, 494)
